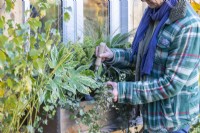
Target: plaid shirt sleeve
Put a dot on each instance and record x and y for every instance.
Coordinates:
(183, 58)
(121, 59)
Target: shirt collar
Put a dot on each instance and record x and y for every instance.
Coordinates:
(177, 12)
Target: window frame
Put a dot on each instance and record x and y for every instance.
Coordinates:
(73, 29)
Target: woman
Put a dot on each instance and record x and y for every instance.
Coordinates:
(166, 56)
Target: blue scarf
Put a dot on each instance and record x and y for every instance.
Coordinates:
(161, 15)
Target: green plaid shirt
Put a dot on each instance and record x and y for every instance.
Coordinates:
(170, 95)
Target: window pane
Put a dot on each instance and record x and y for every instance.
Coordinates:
(96, 19)
(136, 9)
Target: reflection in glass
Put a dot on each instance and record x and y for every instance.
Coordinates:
(135, 11)
(96, 19)
(54, 12)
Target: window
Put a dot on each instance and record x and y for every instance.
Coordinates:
(108, 17)
(87, 17)
(94, 18)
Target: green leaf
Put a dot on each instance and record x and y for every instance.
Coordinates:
(1, 117)
(3, 40)
(2, 56)
(69, 88)
(41, 96)
(119, 39)
(34, 23)
(48, 25)
(53, 85)
(88, 73)
(48, 45)
(82, 68)
(43, 5)
(42, 13)
(2, 22)
(10, 103)
(18, 40)
(27, 83)
(9, 82)
(32, 41)
(2, 91)
(39, 65)
(9, 5)
(66, 16)
(82, 89)
(74, 82)
(10, 23)
(54, 57)
(34, 53)
(81, 112)
(18, 68)
(115, 39)
(30, 129)
(46, 108)
(88, 81)
(11, 31)
(58, 80)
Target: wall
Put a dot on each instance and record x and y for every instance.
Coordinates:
(16, 13)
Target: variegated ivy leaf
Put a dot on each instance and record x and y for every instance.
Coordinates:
(54, 57)
(68, 87)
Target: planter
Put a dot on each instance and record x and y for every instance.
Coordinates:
(62, 123)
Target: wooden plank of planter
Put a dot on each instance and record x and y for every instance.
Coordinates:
(75, 129)
(132, 129)
(69, 126)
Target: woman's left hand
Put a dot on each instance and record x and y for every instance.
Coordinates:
(114, 91)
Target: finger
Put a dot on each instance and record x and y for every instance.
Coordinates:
(104, 55)
(109, 83)
(97, 51)
(115, 99)
(103, 59)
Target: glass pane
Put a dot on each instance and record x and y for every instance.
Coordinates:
(96, 19)
(136, 9)
(54, 12)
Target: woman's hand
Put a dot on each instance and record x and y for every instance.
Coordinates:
(106, 55)
(114, 91)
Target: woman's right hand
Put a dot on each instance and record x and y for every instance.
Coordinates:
(106, 55)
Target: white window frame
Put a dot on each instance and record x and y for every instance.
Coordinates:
(25, 7)
(73, 29)
(124, 16)
(118, 17)
(26, 15)
(114, 17)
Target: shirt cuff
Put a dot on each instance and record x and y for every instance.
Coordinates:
(111, 61)
(121, 88)
(127, 94)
